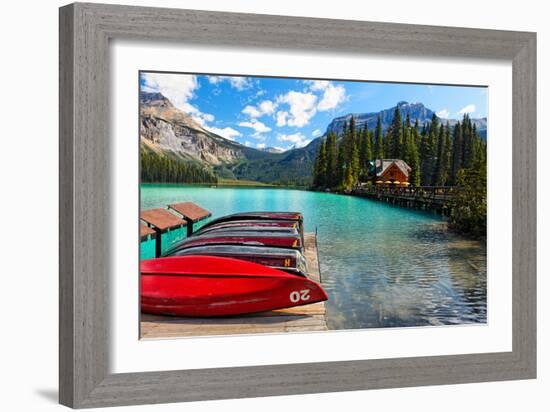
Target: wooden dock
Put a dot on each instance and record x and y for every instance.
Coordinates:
(434, 198)
(305, 318)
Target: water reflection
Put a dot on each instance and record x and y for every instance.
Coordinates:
(408, 277)
(382, 266)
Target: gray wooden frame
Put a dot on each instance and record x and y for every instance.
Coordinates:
(85, 31)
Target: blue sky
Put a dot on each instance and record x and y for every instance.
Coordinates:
(265, 112)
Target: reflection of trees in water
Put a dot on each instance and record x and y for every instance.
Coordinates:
(468, 274)
(448, 271)
(419, 278)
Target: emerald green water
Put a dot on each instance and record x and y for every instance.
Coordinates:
(382, 266)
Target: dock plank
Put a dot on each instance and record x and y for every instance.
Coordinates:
(162, 219)
(190, 210)
(145, 231)
(306, 318)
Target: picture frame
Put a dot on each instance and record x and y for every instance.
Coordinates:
(84, 357)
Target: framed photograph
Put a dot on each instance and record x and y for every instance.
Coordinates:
(257, 205)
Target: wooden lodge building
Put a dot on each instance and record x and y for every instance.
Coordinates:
(385, 171)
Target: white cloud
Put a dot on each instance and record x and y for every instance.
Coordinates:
(208, 117)
(302, 107)
(281, 118)
(332, 95)
(260, 145)
(240, 83)
(258, 126)
(214, 79)
(227, 132)
(280, 148)
(267, 107)
(444, 114)
(316, 133)
(198, 116)
(147, 89)
(316, 85)
(247, 143)
(251, 111)
(471, 108)
(179, 89)
(297, 139)
(237, 82)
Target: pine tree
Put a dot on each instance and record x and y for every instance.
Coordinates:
(388, 145)
(443, 156)
(446, 160)
(331, 173)
(437, 174)
(365, 151)
(456, 159)
(469, 209)
(396, 134)
(414, 158)
(426, 155)
(341, 160)
(407, 148)
(378, 140)
(354, 159)
(353, 169)
(467, 142)
(161, 169)
(320, 167)
(370, 146)
(416, 133)
(317, 167)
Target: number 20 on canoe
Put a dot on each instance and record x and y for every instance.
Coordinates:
(205, 286)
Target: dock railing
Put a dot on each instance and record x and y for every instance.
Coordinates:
(438, 198)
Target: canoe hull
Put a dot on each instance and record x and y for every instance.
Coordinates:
(256, 222)
(257, 238)
(288, 260)
(206, 286)
(259, 216)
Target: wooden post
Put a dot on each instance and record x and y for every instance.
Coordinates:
(158, 243)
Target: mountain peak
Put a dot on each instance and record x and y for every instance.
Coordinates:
(414, 110)
(147, 97)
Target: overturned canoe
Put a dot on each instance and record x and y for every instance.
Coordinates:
(288, 260)
(281, 216)
(251, 224)
(259, 238)
(205, 286)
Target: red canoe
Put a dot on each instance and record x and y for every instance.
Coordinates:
(254, 224)
(287, 260)
(205, 286)
(281, 216)
(249, 238)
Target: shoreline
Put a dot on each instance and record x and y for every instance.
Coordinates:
(258, 185)
(232, 183)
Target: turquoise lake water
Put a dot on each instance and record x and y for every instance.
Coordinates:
(381, 265)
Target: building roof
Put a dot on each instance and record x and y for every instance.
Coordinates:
(381, 165)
